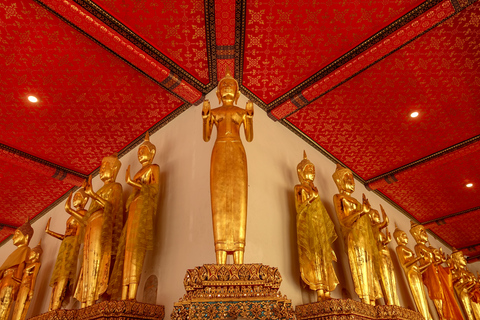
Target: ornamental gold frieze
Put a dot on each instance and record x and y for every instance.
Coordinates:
(263, 310)
(225, 291)
(108, 310)
(337, 309)
(212, 281)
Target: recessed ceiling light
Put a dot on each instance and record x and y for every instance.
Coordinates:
(414, 114)
(469, 185)
(32, 99)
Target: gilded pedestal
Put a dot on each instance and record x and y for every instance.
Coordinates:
(231, 291)
(343, 309)
(118, 310)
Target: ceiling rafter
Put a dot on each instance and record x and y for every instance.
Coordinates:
(296, 99)
(392, 176)
(2, 225)
(94, 28)
(442, 219)
(38, 165)
(142, 44)
(358, 50)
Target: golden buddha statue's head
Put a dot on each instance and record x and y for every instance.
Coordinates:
(227, 90)
(400, 236)
(305, 170)
(80, 199)
(36, 253)
(418, 232)
(374, 215)
(146, 151)
(343, 178)
(23, 234)
(458, 257)
(109, 168)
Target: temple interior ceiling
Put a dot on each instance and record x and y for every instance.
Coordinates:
(345, 76)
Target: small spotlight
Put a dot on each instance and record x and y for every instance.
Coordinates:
(469, 185)
(414, 114)
(32, 99)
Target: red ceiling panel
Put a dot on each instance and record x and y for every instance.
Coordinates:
(25, 192)
(440, 191)
(225, 37)
(288, 41)
(460, 231)
(368, 57)
(365, 123)
(175, 27)
(91, 103)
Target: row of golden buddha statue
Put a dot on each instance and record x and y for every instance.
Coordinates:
(114, 251)
(18, 274)
(368, 255)
(107, 242)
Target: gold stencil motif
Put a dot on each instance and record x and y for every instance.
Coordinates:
(223, 291)
(339, 309)
(108, 310)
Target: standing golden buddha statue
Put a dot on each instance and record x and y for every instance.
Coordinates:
(27, 287)
(413, 272)
(430, 275)
(358, 235)
(315, 234)
(462, 282)
(65, 269)
(137, 235)
(387, 271)
(104, 221)
(475, 297)
(451, 309)
(11, 271)
(228, 170)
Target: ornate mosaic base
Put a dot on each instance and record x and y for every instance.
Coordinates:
(259, 309)
(343, 309)
(231, 291)
(118, 310)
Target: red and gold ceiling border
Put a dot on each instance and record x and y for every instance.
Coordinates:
(143, 45)
(111, 40)
(398, 34)
(240, 38)
(225, 20)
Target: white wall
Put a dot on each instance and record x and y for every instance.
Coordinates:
(183, 232)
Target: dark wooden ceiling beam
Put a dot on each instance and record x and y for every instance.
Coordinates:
(32, 163)
(468, 247)
(2, 225)
(437, 220)
(389, 177)
(473, 258)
